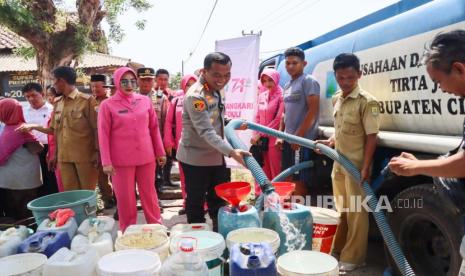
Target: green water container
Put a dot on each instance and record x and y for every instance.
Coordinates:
(299, 219)
(82, 202)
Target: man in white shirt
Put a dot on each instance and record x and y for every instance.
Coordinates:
(38, 112)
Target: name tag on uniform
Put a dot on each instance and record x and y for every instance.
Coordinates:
(123, 111)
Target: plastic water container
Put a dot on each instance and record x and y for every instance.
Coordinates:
(129, 262)
(325, 222)
(72, 263)
(101, 242)
(155, 241)
(253, 235)
(46, 243)
(210, 246)
(70, 227)
(185, 262)
(182, 228)
(307, 263)
(82, 202)
(101, 223)
(299, 217)
(139, 228)
(29, 264)
(252, 259)
(230, 218)
(10, 239)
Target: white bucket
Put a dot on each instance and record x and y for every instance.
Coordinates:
(307, 263)
(29, 264)
(181, 228)
(255, 235)
(138, 228)
(210, 245)
(103, 243)
(72, 263)
(129, 262)
(157, 242)
(325, 222)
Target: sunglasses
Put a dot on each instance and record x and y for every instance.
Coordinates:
(126, 82)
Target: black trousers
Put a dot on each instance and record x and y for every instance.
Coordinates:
(200, 186)
(49, 179)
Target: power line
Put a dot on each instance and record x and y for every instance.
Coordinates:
(284, 12)
(287, 16)
(203, 31)
(268, 16)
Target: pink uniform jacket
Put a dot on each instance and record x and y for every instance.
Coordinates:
(128, 130)
(173, 124)
(270, 105)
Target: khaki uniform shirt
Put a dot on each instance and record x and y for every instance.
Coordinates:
(99, 101)
(202, 142)
(160, 103)
(75, 126)
(355, 116)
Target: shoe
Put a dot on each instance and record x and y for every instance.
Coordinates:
(182, 212)
(115, 215)
(349, 267)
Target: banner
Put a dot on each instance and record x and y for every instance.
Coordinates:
(241, 91)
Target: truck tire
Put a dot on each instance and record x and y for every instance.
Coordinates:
(428, 232)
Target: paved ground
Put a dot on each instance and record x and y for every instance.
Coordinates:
(375, 256)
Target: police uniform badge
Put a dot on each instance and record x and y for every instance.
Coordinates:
(159, 93)
(198, 105)
(375, 110)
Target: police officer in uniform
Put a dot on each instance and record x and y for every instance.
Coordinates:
(356, 123)
(74, 125)
(100, 93)
(202, 148)
(160, 102)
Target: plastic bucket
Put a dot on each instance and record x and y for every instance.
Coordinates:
(210, 245)
(307, 263)
(157, 242)
(181, 228)
(325, 222)
(253, 235)
(83, 203)
(129, 262)
(139, 228)
(20, 264)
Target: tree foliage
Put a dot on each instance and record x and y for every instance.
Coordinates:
(175, 81)
(59, 33)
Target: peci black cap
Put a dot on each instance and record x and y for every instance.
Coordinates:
(97, 77)
(145, 72)
(108, 82)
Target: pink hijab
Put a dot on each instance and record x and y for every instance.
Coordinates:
(274, 75)
(117, 75)
(186, 79)
(11, 113)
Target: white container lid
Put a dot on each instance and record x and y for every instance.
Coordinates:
(306, 262)
(324, 216)
(209, 244)
(254, 235)
(22, 263)
(129, 262)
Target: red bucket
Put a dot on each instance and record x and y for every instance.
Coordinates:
(325, 222)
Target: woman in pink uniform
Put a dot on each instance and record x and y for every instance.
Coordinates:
(173, 127)
(269, 113)
(130, 144)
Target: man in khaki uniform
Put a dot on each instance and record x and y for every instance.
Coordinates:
(356, 123)
(100, 93)
(74, 125)
(160, 102)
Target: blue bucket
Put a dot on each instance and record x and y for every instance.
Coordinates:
(82, 202)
